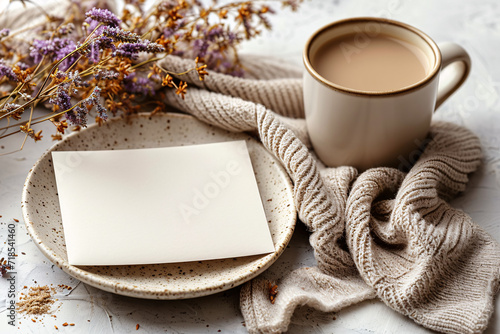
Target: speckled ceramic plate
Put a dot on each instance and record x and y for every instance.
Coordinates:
(159, 281)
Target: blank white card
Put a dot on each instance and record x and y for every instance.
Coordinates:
(160, 205)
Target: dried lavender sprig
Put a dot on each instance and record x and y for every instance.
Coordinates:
(121, 35)
(131, 50)
(62, 98)
(102, 112)
(138, 85)
(93, 98)
(96, 46)
(106, 74)
(78, 115)
(6, 71)
(56, 49)
(102, 15)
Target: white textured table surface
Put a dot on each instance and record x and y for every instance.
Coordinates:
(475, 25)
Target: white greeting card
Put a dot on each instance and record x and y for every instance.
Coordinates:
(160, 205)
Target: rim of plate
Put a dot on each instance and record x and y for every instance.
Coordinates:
(131, 290)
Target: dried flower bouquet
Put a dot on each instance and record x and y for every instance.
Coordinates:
(88, 61)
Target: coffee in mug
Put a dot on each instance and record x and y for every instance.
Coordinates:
(370, 88)
(385, 63)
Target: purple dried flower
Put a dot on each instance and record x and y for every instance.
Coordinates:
(106, 43)
(41, 48)
(61, 98)
(94, 52)
(6, 71)
(63, 52)
(22, 66)
(101, 111)
(102, 16)
(94, 99)
(138, 85)
(127, 50)
(131, 50)
(168, 32)
(214, 33)
(153, 47)
(61, 75)
(106, 75)
(63, 93)
(55, 49)
(75, 78)
(200, 48)
(121, 35)
(232, 37)
(77, 116)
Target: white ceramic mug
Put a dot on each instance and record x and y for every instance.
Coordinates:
(370, 129)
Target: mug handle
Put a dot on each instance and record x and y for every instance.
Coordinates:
(455, 56)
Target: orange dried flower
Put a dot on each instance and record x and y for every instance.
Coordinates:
(23, 75)
(202, 72)
(38, 136)
(24, 128)
(155, 70)
(60, 126)
(156, 110)
(168, 81)
(17, 115)
(223, 14)
(99, 120)
(124, 67)
(204, 13)
(181, 89)
(273, 292)
(243, 13)
(174, 14)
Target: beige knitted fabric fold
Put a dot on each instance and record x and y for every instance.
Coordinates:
(426, 259)
(279, 88)
(406, 245)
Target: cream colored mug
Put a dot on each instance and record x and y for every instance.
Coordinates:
(368, 129)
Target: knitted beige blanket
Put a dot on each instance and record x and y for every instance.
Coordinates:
(382, 233)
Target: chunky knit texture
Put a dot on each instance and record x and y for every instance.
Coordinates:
(382, 234)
